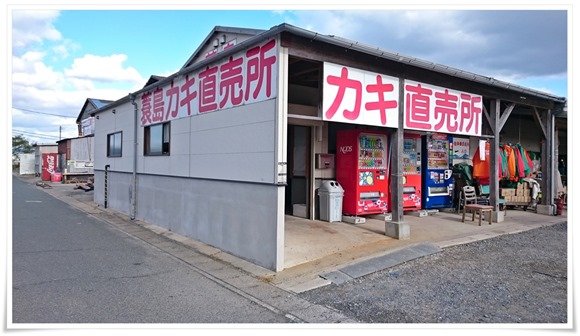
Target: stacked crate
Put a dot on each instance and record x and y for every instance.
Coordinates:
(521, 194)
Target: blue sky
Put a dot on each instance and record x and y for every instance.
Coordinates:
(62, 57)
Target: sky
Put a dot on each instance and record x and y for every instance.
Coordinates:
(62, 56)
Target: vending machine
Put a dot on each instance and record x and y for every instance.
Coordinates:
(438, 174)
(361, 169)
(49, 165)
(411, 162)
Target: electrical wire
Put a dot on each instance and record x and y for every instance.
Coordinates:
(52, 114)
(40, 135)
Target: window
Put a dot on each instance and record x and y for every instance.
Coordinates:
(157, 139)
(115, 144)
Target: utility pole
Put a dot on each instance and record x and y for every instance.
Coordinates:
(59, 133)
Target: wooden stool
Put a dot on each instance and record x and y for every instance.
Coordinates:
(480, 209)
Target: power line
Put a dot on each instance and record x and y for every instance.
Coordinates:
(52, 114)
(40, 135)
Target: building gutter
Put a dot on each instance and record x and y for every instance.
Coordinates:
(134, 179)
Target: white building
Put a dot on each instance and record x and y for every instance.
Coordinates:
(224, 148)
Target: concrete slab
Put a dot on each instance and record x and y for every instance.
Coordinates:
(389, 260)
(337, 277)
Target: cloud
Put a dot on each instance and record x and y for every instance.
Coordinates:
(33, 26)
(50, 130)
(508, 43)
(38, 89)
(104, 69)
(29, 70)
(63, 50)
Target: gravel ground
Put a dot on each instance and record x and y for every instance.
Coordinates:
(517, 278)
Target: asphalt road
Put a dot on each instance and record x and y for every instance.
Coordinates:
(68, 267)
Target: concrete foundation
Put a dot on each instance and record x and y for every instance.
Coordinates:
(498, 216)
(417, 213)
(385, 216)
(398, 230)
(545, 209)
(353, 219)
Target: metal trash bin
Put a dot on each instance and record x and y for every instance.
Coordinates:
(330, 194)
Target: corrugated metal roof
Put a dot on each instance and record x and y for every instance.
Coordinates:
(349, 44)
(221, 29)
(340, 41)
(99, 103)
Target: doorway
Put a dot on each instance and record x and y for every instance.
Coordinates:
(298, 201)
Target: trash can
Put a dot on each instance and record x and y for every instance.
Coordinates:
(330, 194)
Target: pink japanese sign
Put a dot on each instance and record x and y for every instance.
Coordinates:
(244, 78)
(359, 97)
(437, 109)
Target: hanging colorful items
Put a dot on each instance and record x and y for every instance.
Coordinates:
(516, 162)
(482, 163)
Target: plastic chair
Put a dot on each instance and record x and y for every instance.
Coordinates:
(483, 194)
(484, 198)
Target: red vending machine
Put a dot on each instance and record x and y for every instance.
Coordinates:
(411, 163)
(361, 169)
(49, 165)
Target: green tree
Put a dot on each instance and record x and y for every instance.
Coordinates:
(21, 145)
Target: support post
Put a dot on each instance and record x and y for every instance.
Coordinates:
(495, 125)
(547, 184)
(396, 228)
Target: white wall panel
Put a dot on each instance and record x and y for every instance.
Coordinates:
(179, 143)
(179, 165)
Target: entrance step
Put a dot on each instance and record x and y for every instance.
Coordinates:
(382, 217)
(380, 263)
(353, 219)
(418, 213)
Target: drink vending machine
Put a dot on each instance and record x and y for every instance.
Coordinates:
(438, 178)
(411, 163)
(361, 169)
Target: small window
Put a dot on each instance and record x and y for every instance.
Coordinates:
(115, 144)
(157, 139)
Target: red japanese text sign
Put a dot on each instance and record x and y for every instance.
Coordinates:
(246, 77)
(437, 109)
(359, 97)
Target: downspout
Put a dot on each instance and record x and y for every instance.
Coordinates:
(107, 185)
(134, 179)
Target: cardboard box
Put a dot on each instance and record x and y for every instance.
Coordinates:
(507, 191)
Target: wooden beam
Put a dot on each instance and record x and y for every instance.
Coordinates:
(539, 122)
(505, 116)
(493, 155)
(396, 170)
(486, 114)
